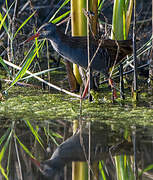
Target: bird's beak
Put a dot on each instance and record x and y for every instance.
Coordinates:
(33, 37)
(36, 162)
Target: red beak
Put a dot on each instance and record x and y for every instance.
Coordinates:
(32, 37)
(36, 162)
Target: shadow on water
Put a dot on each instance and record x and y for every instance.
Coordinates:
(115, 149)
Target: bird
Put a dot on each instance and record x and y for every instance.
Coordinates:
(74, 49)
(76, 148)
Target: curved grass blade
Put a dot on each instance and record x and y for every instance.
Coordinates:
(4, 136)
(2, 19)
(24, 23)
(64, 3)
(6, 4)
(36, 43)
(35, 133)
(60, 17)
(3, 172)
(56, 135)
(26, 65)
(146, 169)
(52, 135)
(100, 4)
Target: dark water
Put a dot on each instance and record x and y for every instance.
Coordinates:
(135, 143)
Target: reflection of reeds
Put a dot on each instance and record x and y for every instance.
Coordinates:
(17, 146)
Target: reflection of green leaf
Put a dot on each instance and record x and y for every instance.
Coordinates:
(123, 167)
(3, 172)
(3, 150)
(148, 168)
(5, 147)
(4, 136)
(5, 66)
(24, 147)
(35, 133)
(101, 168)
(24, 23)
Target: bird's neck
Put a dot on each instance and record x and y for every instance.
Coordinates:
(57, 39)
(56, 163)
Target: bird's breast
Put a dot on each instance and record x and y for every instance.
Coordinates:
(74, 55)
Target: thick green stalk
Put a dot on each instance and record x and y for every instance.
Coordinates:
(79, 27)
(79, 21)
(122, 13)
(118, 20)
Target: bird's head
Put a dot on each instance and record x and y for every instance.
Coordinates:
(46, 31)
(45, 168)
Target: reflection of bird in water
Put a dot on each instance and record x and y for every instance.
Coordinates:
(76, 149)
(74, 49)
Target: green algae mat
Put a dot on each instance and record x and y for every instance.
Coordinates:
(24, 103)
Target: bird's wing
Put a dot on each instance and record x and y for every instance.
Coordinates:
(122, 48)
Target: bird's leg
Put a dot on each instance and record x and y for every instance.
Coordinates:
(114, 94)
(121, 81)
(71, 78)
(35, 162)
(85, 89)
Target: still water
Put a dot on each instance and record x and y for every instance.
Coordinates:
(114, 140)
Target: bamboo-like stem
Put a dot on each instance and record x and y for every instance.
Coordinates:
(78, 24)
(79, 169)
(79, 28)
(117, 25)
